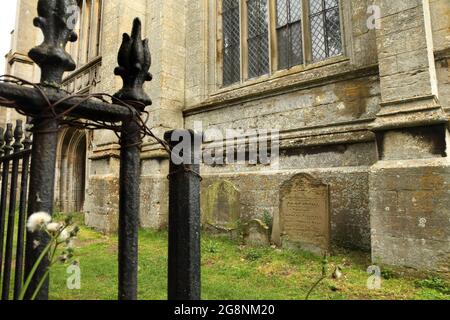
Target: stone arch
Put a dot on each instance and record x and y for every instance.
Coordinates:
(71, 170)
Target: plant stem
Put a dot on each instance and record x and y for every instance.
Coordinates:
(41, 283)
(33, 271)
(314, 287)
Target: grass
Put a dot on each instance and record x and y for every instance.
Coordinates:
(231, 271)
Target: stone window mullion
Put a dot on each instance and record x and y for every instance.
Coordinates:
(307, 48)
(82, 34)
(92, 23)
(99, 29)
(273, 41)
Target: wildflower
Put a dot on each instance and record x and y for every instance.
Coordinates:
(38, 220)
(53, 227)
(64, 236)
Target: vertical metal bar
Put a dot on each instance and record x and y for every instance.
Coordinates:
(20, 250)
(42, 185)
(2, 143)
(3, 200)
(53, 61)
(130, 171)
(134, 63)
(18, 134)
(184, 219)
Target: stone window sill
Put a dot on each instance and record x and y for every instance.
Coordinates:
(298, 78)
(279, 74)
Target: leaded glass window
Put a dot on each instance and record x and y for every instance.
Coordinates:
(289, 33)
(231, 42)
(325, 28)
(263, 36)
(258, 38)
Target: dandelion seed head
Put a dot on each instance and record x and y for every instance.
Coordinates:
(64, 236)
(53, 227)
(38, 220)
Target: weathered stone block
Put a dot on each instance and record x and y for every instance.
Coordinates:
(410, 215)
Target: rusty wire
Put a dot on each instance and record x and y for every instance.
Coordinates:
(49, 112)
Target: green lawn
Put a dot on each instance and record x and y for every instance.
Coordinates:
(231, 271)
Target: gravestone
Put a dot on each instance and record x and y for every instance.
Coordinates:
(256, 233)
(305, 214)
(221, 206)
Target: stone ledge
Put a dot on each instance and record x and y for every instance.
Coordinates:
(348, 132)
(441, 163)
(419, 103)
(414, 112)
(149, 151)
(273, 87)
(286, 173)
(18, 57)
(105, 154)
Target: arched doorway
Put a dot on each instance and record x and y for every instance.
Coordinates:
(71, 170)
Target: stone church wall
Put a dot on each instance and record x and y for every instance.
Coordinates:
(372, 124)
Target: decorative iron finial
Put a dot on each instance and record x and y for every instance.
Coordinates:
(57, 19)
(18, 134)
(9, 136)
(134, 63)
(27, 142)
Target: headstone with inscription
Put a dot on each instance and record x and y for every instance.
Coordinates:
(221, 206)
(305, 214)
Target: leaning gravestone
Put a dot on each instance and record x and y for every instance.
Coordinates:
(305, 214)
(221, 206)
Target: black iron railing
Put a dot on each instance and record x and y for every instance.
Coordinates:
(49, 107)
(15, 162)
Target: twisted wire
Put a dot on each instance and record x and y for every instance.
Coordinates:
(50, 113)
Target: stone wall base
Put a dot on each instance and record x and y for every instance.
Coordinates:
(410, 213)
(102, 203)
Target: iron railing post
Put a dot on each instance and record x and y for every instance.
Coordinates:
(6, 148)
(47, 105)
(18, 134)
(20, 250)
(134, 62)
(130, 157)
(184, 217)
(53, 61)
(41, 195)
